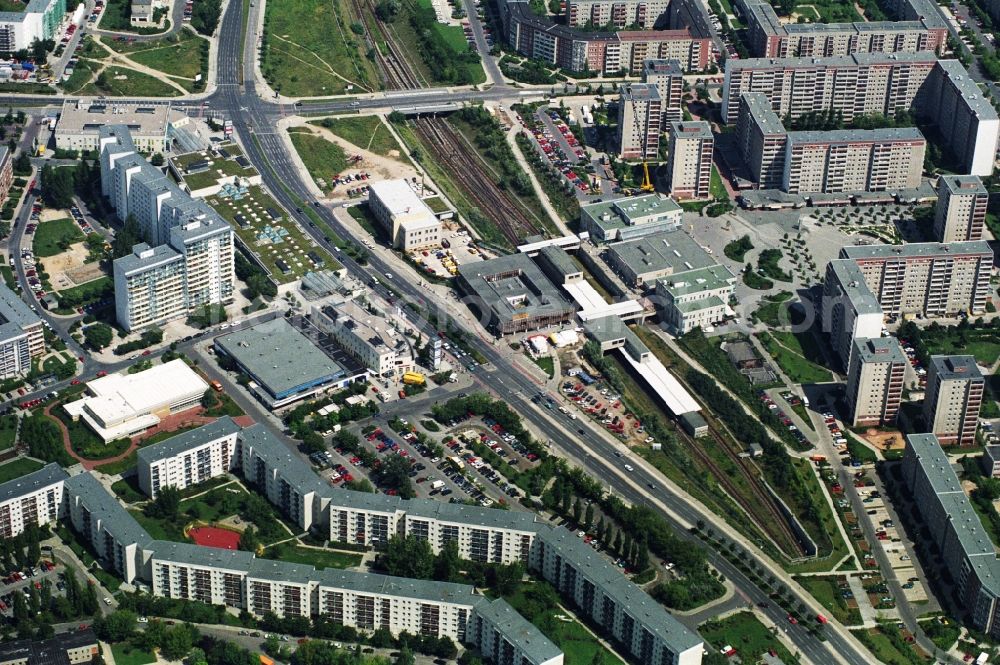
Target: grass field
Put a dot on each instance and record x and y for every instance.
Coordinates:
(90, 291)
(83, 72)
(885, 650)
(127, 491)
(745, 633)
(310, 49)
(54, 237)
(182, 58)
(8, 429)
(126, 654)
(366, 132)
(578, 645)
(983, 344)
(546, 363)
(124, 82)
(792, 363)
(825, 590)
(319, 558)
(17, 468)
(324, 160)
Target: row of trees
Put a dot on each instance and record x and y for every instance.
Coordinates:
(174, 642)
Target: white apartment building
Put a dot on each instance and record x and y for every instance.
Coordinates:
(360, 518)
(286, 480)
(406, 219)
(689, 165)
(952, 400)
(884, 83)
(601, 593)
(931, 279)
(121, 405)
(504, 636)
(614, 14)
(33, 499)
(22, 337)
(367, 337)
(187, 259)
(639, 121)
(695, 298)
(482, 534)
(111, 531)
(850, 311)
(961, 208)
(280, 587)
(37, 20)
(875, 381)
(877, 160)
(191, 572)
(668, 77)
(369, 602)
(189, 458)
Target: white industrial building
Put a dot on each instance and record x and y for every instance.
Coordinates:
(188, 458)
(408, 221)
(121, 405)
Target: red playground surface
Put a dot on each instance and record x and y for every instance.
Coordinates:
(211, 536)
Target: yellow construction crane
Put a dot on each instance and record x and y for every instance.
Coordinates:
(647, 183)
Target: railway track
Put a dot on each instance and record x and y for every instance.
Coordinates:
(765, 511)
(451, 150)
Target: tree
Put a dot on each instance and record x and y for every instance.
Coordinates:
(508, 578)
(166, 505)
(249, 542)
(126, 238)
(57, 187)
(409, 556)
(157, 159)
(405, 657)
(447, 563)
(588, 516)
(577, 511)
(208, 399)
(177, 643)
(98, 335)
(22, 165)
(115, 627)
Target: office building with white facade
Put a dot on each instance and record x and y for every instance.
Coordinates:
(22, 336)
(629, 217)
(953, 398)
(188, 458)
(875, 381)
(81, 120)
(960, 213)
(695, 298)
(406, 219)
(690, 146)
(368, 338)
(34, 499)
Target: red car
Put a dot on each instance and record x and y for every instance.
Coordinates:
(146, 352)
(74, 382)
(102, 373)
(792, 620)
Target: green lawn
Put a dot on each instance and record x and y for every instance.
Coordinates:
(82, 74)
(984, 345)
(183, 58)
(88, 292)
(310, 49)
(578, 645)
(794, 365)
(56, 236)
(745, 633)
(885, 650)
(319, 558)
(324, 160)
(17, 468)
(126, 654)
(8, 277)
(123, 82)
(825, 590)
(547, 364)
(366, 132)
(128, 490)
(8, 429)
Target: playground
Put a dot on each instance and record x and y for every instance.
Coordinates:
(213, 536)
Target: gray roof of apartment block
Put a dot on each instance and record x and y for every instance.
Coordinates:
(104, 506)
(199, 555)
(518, 630)
(955, 368)
(49, 474)
(15, 315)
(472, 515)
(405, 587)
(916, 249)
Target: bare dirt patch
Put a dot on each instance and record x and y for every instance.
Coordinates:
(885, 440)
(68, 268)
